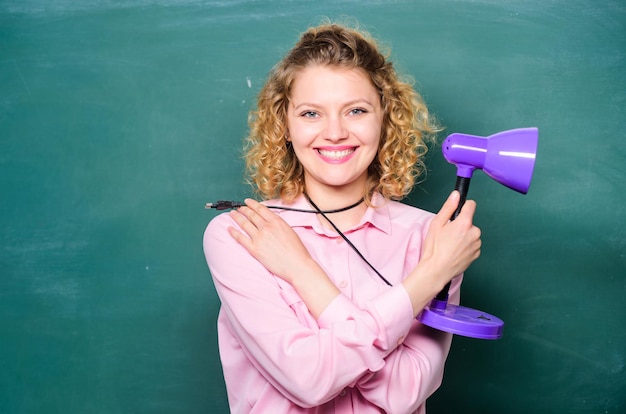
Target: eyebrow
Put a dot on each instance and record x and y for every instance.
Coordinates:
(346, 104)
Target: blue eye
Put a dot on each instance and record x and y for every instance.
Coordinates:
(309, 114)
(357, 111)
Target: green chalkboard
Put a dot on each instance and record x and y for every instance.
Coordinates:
(120, 119)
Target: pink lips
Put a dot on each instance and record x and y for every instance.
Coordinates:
(336, 155)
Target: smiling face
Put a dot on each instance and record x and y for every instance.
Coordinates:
(334, 120)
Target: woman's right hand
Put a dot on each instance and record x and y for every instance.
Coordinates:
(270, 240)
(449, 248)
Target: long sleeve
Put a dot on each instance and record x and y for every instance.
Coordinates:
(364, 353)
(414, 370)
(307, 362)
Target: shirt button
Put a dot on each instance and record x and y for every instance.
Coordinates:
(342, 393)
(343, 284)
(339, 240)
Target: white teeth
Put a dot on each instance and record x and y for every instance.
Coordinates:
(335, 154)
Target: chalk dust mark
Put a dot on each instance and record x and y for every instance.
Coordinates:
(560, 348)
(19, 72)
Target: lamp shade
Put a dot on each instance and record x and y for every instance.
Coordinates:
(508, 157)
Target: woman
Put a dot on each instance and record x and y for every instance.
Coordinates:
(320, 293)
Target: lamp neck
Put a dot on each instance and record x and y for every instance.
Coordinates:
(462, 186)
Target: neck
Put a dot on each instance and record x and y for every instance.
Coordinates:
(334, 210)
(330, 197)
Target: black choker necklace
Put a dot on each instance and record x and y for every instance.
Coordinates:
(338, 210)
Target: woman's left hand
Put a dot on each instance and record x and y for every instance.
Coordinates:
(269, 239)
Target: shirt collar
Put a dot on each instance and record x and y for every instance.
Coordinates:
(378, 216)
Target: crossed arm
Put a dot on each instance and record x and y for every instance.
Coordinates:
(394, 361)
(449, 248)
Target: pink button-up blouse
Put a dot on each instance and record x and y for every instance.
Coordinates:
(364, 354)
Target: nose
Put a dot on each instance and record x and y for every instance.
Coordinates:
(335, 129)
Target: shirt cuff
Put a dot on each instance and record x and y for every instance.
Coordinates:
(340, 309)
(392, 312)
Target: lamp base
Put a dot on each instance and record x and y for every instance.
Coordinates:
(460, 320)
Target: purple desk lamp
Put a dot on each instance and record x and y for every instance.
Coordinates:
(509, 158)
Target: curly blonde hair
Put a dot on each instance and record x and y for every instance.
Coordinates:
(271, 164)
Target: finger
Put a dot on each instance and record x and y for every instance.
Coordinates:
(252, 213)
(240, 238)
(448, 208)
(440, 220)
(248, 213)
(244, 221)
(468, 210)
(259, 209)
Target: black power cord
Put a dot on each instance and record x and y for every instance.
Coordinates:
(226, 205)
